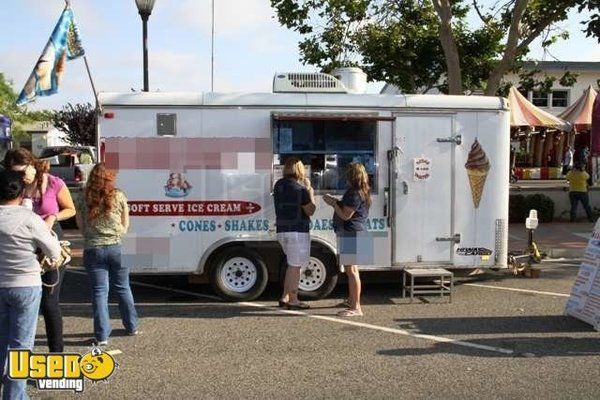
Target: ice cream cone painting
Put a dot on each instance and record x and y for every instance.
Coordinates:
(477, 167)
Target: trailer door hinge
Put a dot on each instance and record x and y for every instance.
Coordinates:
(452, 139)
(455, 238)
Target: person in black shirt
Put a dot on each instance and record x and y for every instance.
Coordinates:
(349, 217)
(294, 204)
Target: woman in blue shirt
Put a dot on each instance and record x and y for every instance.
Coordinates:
(350, 215)
(294, 205)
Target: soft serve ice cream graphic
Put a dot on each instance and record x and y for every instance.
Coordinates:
(177, 186)
(478, 167)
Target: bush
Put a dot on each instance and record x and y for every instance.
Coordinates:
(517, 210)
(519, 206)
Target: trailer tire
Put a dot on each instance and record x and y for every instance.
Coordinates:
(319, 279)
(238, 274)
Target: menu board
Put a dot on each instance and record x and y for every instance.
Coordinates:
(584, 302)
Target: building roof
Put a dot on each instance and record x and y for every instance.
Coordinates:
(563, 65)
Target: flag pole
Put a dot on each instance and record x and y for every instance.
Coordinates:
(212, 50)
(87, 67)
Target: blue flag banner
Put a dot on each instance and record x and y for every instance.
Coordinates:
(64, 44)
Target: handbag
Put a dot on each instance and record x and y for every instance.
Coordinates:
(48, 264)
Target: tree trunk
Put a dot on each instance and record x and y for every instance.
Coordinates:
(510, 50)
(448, 42)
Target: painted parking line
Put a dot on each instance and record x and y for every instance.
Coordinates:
(113, 304)
(516, 290)
(438, 339)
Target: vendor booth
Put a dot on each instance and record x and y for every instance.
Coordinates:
(595, 138)
(579, 115)
(538, 139)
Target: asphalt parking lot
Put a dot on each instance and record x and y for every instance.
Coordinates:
(501, 337)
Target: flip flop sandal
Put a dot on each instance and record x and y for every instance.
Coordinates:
(350, 313)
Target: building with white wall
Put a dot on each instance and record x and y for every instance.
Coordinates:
(43, 134)
(560, 97)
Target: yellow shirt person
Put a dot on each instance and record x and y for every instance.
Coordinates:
(577, 180)
(578, 192)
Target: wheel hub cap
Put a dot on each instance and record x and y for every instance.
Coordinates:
(239, 274)
(313, 276)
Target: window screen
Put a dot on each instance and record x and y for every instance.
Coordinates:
(540, 99)
(560, 98)
(327, 147)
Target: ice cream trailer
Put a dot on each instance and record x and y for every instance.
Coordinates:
(199, 168)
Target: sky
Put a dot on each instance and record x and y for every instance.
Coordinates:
(250, 46)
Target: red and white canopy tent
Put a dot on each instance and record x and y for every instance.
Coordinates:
(595, 127)
(523, 113)
(595, 139)
(579, 114)
(544, 149)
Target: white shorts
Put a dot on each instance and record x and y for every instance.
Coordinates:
(296, 247)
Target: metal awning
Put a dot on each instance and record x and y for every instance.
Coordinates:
(313, 116)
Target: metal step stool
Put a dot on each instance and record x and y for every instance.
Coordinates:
(444, 287)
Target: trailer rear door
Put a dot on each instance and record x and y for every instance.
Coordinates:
(422, 167)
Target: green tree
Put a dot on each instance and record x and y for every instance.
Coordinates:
(420, 44)
(19, 115)
(78, 122)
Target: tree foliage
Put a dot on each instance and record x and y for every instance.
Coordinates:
(78, 122)
(422, 44)
(19, 115)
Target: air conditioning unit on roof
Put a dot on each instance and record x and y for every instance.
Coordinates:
(307, 82)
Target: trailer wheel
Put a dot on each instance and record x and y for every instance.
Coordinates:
(238, 273)
(318, 279)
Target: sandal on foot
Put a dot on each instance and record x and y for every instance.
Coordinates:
(297, 306)
(283, 304)
(350, 313)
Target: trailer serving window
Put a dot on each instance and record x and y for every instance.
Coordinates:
(326, 144)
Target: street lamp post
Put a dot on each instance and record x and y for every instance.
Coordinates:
(145, 9)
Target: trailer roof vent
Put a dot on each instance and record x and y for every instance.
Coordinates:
(303, 82)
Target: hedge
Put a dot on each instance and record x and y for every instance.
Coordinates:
(519, 206)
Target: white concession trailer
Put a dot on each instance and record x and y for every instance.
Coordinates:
(198, 170)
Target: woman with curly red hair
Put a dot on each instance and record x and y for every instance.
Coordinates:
(49, 197)
(104, 219)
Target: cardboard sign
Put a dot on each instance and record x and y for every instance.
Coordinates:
(584, 302)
